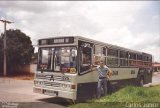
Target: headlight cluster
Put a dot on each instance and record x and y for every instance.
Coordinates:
(65, 85)
(68, 86)
(66, 78)
(38, 82)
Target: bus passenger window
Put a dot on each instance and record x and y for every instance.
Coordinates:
(139, 57)
(112, 57)
(123, 62)
(123, 58)
(112, 61)
(112, 52)
(96, 59)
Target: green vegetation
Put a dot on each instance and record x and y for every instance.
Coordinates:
(120, 99)
(19, 49)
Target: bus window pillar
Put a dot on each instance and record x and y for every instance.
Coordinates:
(128, 58)
(118, 58)
(106, 55)
(136, 59)
(92, 56)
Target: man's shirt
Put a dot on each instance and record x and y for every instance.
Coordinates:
(102, 71)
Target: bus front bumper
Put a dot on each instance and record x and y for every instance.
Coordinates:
(56, 93)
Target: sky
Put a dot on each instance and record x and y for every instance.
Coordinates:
(130, 24)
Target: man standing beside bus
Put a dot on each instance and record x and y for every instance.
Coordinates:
(103, 72)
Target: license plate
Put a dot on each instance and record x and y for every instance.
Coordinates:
(37, 90)
(50, 92)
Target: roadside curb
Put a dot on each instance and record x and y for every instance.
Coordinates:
(12, 80)
(27, 78)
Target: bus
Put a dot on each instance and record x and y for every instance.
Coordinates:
(66, 66)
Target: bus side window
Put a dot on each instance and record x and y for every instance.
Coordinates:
(112, 57)
(123, 58)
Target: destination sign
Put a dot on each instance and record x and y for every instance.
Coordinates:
(51, 41)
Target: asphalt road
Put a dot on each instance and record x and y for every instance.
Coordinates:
(21, 91)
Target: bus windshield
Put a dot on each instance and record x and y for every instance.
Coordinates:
(57, 59)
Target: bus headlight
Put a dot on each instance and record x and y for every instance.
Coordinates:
(65, 85)
(38, 82)
(68, 86)
(35, 82)
(66, 78)
(41, 82)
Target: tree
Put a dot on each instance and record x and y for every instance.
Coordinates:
(19, 48)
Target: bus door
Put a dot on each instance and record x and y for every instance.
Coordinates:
(85, 56)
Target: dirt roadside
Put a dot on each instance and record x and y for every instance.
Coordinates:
(21, 77)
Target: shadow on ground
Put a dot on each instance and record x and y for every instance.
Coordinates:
(57, 100)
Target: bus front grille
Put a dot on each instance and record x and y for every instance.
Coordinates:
(51, 84)
(49, 77)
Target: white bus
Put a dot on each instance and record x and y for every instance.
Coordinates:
(67, 66)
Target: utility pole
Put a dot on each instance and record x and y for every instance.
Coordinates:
(5, 47)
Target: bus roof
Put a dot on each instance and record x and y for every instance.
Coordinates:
(110, 45)
(98, 42)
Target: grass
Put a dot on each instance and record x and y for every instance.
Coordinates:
(120, 98)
